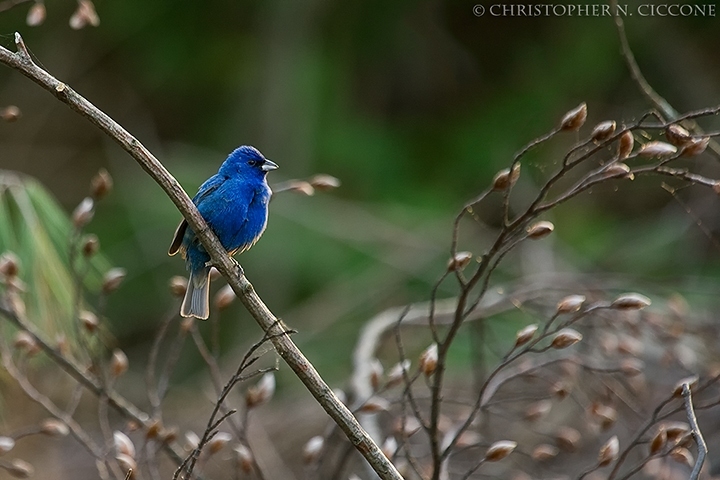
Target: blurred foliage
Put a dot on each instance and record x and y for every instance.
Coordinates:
(36, 229)
(414, 105)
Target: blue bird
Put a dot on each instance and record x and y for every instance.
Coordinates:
(234, 203)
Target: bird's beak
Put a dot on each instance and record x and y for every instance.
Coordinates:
(269, 165)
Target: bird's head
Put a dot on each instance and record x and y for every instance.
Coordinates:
(248, 162)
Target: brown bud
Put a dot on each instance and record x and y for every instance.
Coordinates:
(692, 383)
(36, 15)
(118, 363)
(112, 279)
(500, 450)
(657, 149)
(630, 301)
(19, 468)
(658, 441)
(376, 373)
(89, 320)
(570, 304)
(323, 182)
(609, 452)
(682, 455)
(506, 178)
(9, 264)
(695, 147)
(429, 359)
(90, 245)
(625, 145)
(565, 338)
(312, 449)
(245, 458)
(544, 452)
(168, 435)
(395, 374)
(677, 135)
(459, 261)
(6, 444)
(605, 415)
(153, 431)
(261, 392)
(54, 427)
(224, 297)
(127, 463)
(467, 438)
(568, 438)
(540, 230)
(538, 410)
(123, 444)
(632, 367)
(178, 286)
(101, 184)
(574, 119)
(10, 113)
(561, 389)
(83, 213)
(84, 15)
(525, 334)
(218, 442)
(618, 169)
(375, 404)
(26, 343)
(603, 131)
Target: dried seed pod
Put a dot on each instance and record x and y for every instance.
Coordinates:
(609, 452)
(395, 374)
(618, 169)
(628, 345)
(603, 131)
(83, 213)
(467, 438)
(524, 335)
(545, 452)
(26, 343)
(89, 320)
(112, 279)
(561, 389)
(224, 298)
(538, 410)
(574, 119)
(84, 15)
(127, 463)
(657, 149)
(506, 178)
(19, 468)
(101, 184)
(123, 444)
(261, 392)
(676, 430)
(9, 264)
(389, 447)
(499, 450)
(299, 186)
(429, 359)
(192, 441)
(692, 383)
(540, 230)
(36, 15)
(168, 435)
(570, 304)
(568, 438)
(375, 404)
(682, 455)
(625, 145)
(313, 449)
(658, 441)
(10, 113)
(605, 415)
(90, 246)
(178, 286)
(565, 338)
(376, 373)
(695, 147)
(54, 427)
(245, 458)
(323, 182)
(153, 431)
(218, 442)
(459, 261)
(677, 135)
(630, 301)
(6, 444)
(632, 367)
(118, 363)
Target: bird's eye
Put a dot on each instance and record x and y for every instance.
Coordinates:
(252, 163)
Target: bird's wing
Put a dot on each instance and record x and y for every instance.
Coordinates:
(210, 185)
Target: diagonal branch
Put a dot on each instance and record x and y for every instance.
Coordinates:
(286, 348)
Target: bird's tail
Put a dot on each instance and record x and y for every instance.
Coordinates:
(197, 297)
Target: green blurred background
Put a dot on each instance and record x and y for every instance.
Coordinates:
(414, 105)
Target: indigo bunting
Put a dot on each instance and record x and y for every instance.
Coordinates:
(234, 203)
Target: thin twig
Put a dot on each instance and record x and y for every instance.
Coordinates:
(697, 434)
